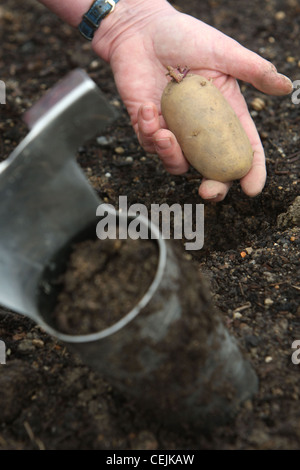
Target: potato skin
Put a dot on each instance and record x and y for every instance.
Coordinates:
(207, 129)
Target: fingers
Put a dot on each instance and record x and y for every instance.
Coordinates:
(154, 139)
(213, 191)
(239, 62)
(253, 183)
(147, 125)
(170, 153)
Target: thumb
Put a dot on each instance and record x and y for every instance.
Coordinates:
(250, 67)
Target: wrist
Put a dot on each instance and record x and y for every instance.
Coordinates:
(128, 18)
(70, 11)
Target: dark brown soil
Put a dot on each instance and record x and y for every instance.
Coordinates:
(250, 254)
(103, 280)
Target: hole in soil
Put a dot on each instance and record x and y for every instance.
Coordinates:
(91, 283)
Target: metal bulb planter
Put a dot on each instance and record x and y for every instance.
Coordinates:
(171, 353)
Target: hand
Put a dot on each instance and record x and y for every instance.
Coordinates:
(139, 57)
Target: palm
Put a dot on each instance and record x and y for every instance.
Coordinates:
(142, 77)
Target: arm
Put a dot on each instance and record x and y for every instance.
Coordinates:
(140, 38)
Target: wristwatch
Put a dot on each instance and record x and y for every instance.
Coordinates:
(93, 17)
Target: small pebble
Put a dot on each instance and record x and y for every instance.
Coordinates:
(95, 64)
(258, 104)
(105, 141)
(268, 359)
(108, 175)
(38, 343)
(119, 150)
(280, 15)
(237, 315)
(116, 103)
(268, 302)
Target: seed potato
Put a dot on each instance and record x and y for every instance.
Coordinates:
(206, 127)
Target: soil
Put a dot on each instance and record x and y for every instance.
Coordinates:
(103, 280)
(51, 399)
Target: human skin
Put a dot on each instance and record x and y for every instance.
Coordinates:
(140, 38)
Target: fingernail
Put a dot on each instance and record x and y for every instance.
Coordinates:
(147, 113)
(287, 80)
(163, 144)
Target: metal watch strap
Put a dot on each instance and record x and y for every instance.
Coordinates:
(93, 17)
